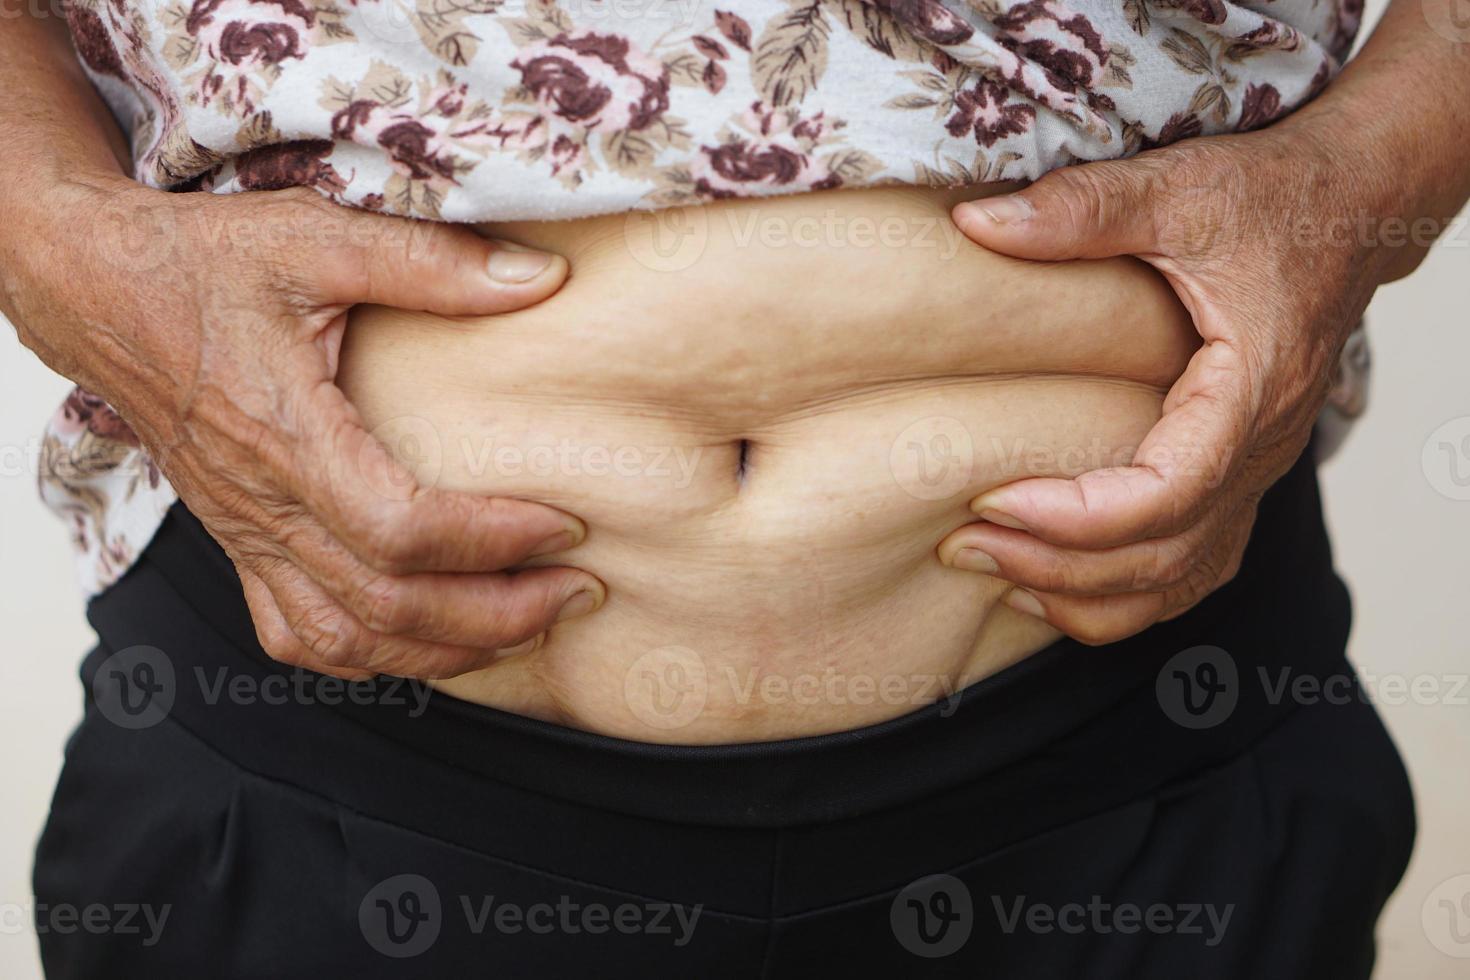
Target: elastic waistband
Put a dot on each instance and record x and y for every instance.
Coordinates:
(1072, 728)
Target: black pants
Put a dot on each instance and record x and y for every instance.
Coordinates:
(1209, 799)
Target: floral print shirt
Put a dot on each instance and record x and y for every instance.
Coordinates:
(478, 110)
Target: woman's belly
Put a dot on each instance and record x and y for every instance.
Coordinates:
(769, 414)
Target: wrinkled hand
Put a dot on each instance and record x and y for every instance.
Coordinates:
(1258, 235)
(212, 324)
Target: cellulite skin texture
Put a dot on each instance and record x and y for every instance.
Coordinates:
(769, 414)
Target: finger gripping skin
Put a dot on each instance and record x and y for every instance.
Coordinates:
(271, 630)
(1103, 633)
(1138, 613)
(329, 634)
(515, 615)
(275, 637)
(392, 541)
(216, 358)
(1082, 202)
(1246, 229)
(381, 603)
(1056, 576)
(1173, 560)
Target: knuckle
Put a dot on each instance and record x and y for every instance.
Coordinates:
(1106, 193)
(1176, 514)
(1210, 182)
(284, 652)
(1084, 196)
(1054, 576)
(327, 635)
(381, 603)
(270, 631)
(1171, 561)
(278, 642)
(1212, 572)
(387, 546)
(1232, 567)
(1193, 162)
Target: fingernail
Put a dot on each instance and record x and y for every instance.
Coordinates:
(1002, 518)
(516, 267)
(560, 541)
(975, 560)
(1006, 209)
(578, 605)
(1024, 602)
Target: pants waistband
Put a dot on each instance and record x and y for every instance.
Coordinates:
(1072, 728)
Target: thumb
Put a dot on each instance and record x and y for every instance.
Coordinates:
(422, 265)
(1090, 211)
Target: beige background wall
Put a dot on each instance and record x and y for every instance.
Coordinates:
(1400, 519)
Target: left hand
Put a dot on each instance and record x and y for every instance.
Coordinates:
(1260, 236)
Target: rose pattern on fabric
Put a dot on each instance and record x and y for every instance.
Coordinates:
(231, 52)
(596, 96)
(771, 147)
(478, 110)
(983, 110)
(104, 484)
(1262, 104)
(429, 130)
(596, 81)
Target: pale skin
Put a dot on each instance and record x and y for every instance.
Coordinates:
(351, 569)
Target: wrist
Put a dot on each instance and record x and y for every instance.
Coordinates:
(53, 271)
(1377, 185)
(1401, 160)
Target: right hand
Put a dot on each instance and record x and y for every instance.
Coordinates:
(217, 341)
